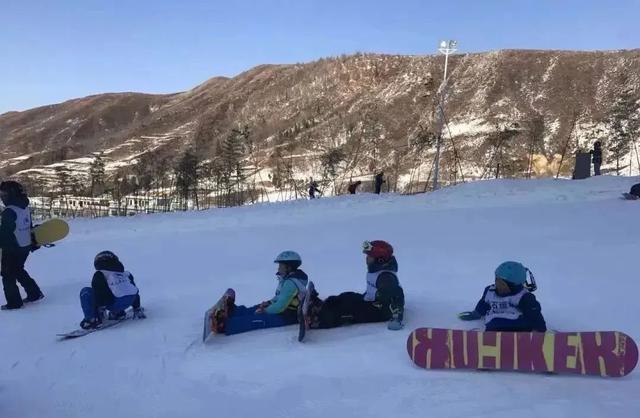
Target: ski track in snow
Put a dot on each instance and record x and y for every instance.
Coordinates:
(576, 236)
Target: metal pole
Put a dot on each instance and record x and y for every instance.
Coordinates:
(446, 47)
(446, 63)
(437, 164)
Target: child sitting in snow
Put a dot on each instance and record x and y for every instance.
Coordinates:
(112, 289)
(509, 305)
(280, 310)
(634, 193)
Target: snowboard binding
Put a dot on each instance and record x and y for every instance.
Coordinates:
(221, 311)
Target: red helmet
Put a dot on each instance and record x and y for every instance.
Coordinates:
(380, 250)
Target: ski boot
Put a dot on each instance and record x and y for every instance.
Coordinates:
(91, 323)
(33, 299)
(395, 323)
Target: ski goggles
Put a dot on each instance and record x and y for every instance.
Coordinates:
(529, 283)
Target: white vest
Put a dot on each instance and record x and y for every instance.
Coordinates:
(505, 307)
(372, 279)
(120, 283)
(23, 225)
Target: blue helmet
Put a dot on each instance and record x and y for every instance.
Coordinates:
(512, 272)
(290, 258)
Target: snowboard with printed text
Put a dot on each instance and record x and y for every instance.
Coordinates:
(601, 353)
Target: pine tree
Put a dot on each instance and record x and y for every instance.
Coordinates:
(233, 151)
(186, 172)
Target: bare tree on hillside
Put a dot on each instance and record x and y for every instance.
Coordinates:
(331, 161)
(97, 175)
(624, 123)
(535, 137)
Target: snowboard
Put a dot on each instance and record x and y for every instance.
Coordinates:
(601, 353)
(303, 311)
(107, 323)
(50, 231)
(629, 196)
(212, 323)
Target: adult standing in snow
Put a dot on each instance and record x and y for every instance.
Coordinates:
(280, 310)
(353, 187)
(313, 189)
(383, 299)
(596, 157)
(509, 305)
(16, 243)
(378, 181)
(112, 291)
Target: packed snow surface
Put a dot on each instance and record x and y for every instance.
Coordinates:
(578, 237)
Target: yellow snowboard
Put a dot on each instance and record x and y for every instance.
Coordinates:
(50, 231)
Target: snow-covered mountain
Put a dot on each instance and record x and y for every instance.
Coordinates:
(368, 112)
(574, 235)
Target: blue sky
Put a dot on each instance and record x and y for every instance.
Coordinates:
(52, 51)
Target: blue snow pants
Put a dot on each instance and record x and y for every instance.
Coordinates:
(244, 319)
(90, 310)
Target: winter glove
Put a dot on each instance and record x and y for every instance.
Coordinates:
(263, 306)
(138, 313)
(34, 243)
(469, 316)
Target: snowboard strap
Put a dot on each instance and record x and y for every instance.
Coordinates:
(301, 292)
(531, 285)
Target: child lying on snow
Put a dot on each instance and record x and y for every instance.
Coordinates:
(509, 305)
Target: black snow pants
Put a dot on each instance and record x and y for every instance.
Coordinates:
(13, 272)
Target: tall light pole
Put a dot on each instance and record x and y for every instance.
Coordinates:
(446, 47)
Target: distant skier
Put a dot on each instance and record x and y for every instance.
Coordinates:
(383, 299)
(112, 291)
(278, 311)
(313, 189)
(509, 305)
(378, 182)
(16, 243)
(596, 157)
(353, 187)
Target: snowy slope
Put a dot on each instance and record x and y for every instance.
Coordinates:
(579, 239)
